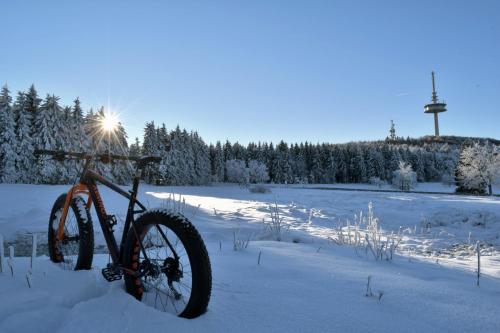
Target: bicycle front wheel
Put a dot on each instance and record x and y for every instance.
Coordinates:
(175, 275)
(76, 249)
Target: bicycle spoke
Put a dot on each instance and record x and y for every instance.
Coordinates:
(69, 246)
(163, 248)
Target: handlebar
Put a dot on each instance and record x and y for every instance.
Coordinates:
(105, 158)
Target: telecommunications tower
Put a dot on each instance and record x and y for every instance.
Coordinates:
(435, 107)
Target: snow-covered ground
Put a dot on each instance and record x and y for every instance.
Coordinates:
(419, 187)
(305, 283)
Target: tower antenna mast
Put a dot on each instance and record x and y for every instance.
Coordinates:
(435, 107)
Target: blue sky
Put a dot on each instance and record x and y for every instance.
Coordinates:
(332, 71)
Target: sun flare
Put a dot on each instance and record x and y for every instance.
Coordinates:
(109, 122)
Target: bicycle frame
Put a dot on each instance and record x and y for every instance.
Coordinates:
(88, 186)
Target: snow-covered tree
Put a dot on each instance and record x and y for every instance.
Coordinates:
(113, 142)
(257, 172)
(237, 172)
(317, 173)
(8, 140)
(201, 160)
(191, 161)
(80, 142)
(358, 168)
(46, 137)
(135, 148)
(392, 132)
(404, 178)
(32, 106)
(217, 159)
(25, 159)
(478, 168)
(121, 171)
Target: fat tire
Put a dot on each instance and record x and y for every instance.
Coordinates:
(85, 231)
(196, 251)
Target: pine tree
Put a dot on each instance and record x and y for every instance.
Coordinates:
(46, 138)
(80, 140)
(135, 148)
(238, 151)
(164, 146)
(188, 157)
(150, 148)
(32, 107)
(299, 164)
(25, 159)
(392, 132)
(201, 160)
(281, 168)
(330, 165)
(370, 160)
(218, 163)
(358, 169)
(8, 140)
(121, 171)
(342, 166)
(317, 172)
(392, 163)
(418, 165)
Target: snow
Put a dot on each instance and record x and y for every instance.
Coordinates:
(419, 187)
(305, 283)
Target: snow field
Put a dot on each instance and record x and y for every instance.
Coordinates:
(309, 286)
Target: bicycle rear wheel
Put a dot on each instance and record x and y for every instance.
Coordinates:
(76, 250)
(177, 276)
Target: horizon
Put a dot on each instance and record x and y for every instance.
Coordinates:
(264, 71)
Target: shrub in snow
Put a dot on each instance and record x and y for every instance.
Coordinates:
(175, 203)
(257, 172)
(404, 178)
(11, 260)
(237, 172)
(381, 245)
(365, 232)
(478, 168)
(33, 251)
(259, 189)
(301, 180)
(29, 279)
(276, 227)
(377, 181)
(240, 243)
(370, 293)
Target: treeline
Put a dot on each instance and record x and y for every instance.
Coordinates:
(190, 161)
(355, 162)
(28, 122)
(185, 156)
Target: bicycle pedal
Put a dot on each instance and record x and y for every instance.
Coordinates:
(111, 274)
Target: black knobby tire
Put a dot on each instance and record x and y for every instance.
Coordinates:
(201, 272)
(79, 226)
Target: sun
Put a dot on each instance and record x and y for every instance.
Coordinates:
(109, 122)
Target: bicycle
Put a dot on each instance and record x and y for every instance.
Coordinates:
(161, 255)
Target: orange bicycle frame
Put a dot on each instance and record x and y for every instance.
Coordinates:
(75, 190)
